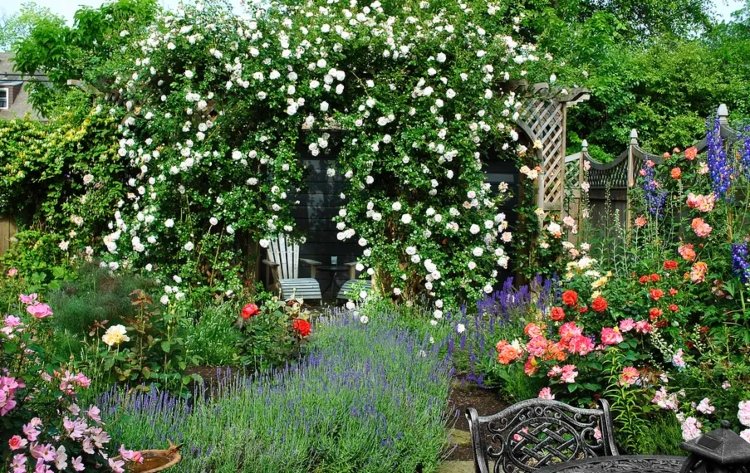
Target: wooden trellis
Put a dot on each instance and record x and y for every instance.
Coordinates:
(543, 118)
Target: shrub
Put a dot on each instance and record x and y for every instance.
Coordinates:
(366, 398)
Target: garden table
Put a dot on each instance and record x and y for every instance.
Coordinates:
(619, 464)
(334, 270)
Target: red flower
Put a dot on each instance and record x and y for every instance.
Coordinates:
(656, 294)
(673, 307)
(599, 304)
(673, 291)
(669, 265)
(583, 309)
(250, 310)
(643, 280)
(654, 313)
(570, 298)
(302, 327)
(557, 314)
(655, 277)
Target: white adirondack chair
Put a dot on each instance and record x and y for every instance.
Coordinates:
(346, 289)
(282, 268)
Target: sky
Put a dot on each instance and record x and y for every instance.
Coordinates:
(66, 8)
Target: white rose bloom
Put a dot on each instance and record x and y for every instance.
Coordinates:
(264, 243)
(406, 218)
(169, 223)
(213, 221)
(474, 229)
(396, 206)
(189, 246)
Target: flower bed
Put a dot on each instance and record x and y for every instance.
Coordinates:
(368, 397)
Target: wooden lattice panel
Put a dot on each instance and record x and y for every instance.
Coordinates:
(545, 119)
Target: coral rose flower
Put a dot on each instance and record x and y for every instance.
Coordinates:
(629, 376)
(656, 294)
(506, 352)
(532, 330)
(641, 221)
(557, 314)
(687, 252)
(599, 304)
(700, 227)
(691, 153)
(676, 173)
(250, 310)
(670, 265)
(580, 345)
(302, 327)
(698, 272)
(654, 313)
(570, 298)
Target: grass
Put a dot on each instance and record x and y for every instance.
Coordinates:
(367, 398)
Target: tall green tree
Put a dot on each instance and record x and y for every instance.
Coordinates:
(16, 27)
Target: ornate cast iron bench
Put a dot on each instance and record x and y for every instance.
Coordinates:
(536, 433)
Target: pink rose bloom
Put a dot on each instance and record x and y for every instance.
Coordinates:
(641, 221)
(19, 463)
(554, 372)
(32, 429)
(39, 310)
(546, 393)
(611, 336)
(28, 299)
(131, 455)
(17, 442)
(704, 203)
(726, 385)
(569, 330)
(629, 376)
(665, 400)
(537, 346)
(12, 272)
(627, 325)
(117, 465)
(580, 345)
(744, 413)
(643, 326)
(95, 414)
(691, 428)
(45, 452)
(12, 321)
(700, 227)
(705, 406)
(77, 464)
(745, 434)
(568, 374)
(532, 330)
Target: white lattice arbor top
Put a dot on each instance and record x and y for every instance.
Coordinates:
(542, 117)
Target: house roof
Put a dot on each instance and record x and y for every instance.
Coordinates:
(8, 72)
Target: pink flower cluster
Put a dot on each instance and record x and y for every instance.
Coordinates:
(37, 309)
(666, 400)
(84, 428)
(11, 324)
(703, 203)
(70, 381)
(700, 227)
(642, 326)
(567, 373)
(8, 386)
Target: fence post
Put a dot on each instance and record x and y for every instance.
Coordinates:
(631, 179)
(723, 114)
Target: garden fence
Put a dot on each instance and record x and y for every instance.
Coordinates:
(609, 183)
(7, 231)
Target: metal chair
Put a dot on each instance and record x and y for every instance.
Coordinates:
(538, 432)
(282, 269)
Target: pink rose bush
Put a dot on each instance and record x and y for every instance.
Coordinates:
(53, 433)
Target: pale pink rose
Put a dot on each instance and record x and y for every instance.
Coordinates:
(665, 400)
(17, 442)
(643, 326)
(705, 406)
(744, 413)
(611, 336)
(546, 393)
(627, 325)
(745, 434)
(12, 272)
(537, 346)
(568, 374)
(677, 359)
(580, 345)
(28, 299)
(39, 310)
(691, 428)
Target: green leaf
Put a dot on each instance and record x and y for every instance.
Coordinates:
(166, 346)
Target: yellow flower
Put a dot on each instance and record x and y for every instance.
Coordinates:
(115, 335)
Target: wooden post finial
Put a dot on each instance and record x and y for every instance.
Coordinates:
(723, 113)
(633, 137)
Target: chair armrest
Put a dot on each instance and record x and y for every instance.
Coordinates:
(352, 269)
(270, 263)
(312, 264)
